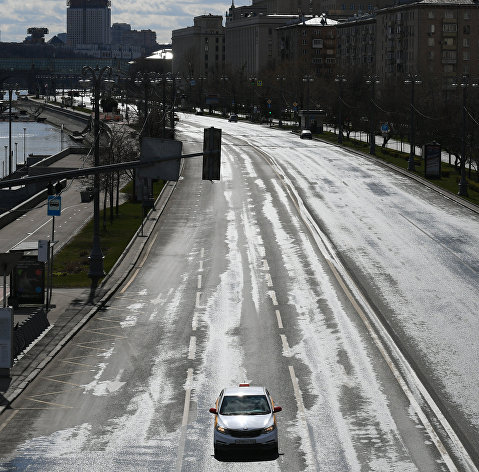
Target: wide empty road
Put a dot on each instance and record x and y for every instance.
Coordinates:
(238, 283)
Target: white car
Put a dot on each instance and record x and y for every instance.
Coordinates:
(245, 418)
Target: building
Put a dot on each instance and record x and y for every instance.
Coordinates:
(88, 22)
(252, 42)
(433, 38)
(199, 50)
(122, 35)
(436, 39)
(356, 45)
(311, 41)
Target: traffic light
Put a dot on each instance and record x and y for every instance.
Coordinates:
(212, 154)
(54, 189)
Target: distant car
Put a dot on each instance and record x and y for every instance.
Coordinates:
(233, 118)
(245, 418)
(306, 134)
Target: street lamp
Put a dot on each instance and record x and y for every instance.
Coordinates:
(308, 79)
(340, 79)
(463, 83)
(372, 81)
(96, 81)
(10, 88)
(224, 79)
(412, 80)
(281, 80)
(16, 156)
(24, 152)
(252, 81)
(201, 79)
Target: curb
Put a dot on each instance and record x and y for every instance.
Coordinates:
(160, 202)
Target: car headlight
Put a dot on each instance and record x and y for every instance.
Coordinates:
(220, 429)
(269, 428)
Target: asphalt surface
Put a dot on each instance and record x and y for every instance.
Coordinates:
(71, 316)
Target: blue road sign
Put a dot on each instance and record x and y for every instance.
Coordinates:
(54, 207)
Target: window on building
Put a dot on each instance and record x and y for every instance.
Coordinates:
(466, 55)
(305, 52)
(430, 55)
(330, 60)
(303, 32)
(317, 43)
(465, 42)
(448, 68)
(449, 56)
(430, 14)
(432, 28)
(467, 15)
(206, 47)
(317, 60)
(449, 28)
(430, 41)
(448, 14)
(448, 41)
(304, 42)
(467, 29)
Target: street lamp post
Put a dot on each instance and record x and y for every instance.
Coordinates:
(16, 156)
(224, 79)
(96, 79)
(201, 79)
(412, 80)
(372, 81)
(252, 81)
(308, 79)
(464, 83)
(24, 142)
(5, 161)
(340, 80)
(281, 80)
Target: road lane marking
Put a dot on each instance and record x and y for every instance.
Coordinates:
(265, 265)
(269, 281)
(184, 422)
(200, 281)
(105, 334)
(198, 296)
(5, 423)
(280, 321)
(194, 323)
(147, 252)
(202, 252)
(397, 374)
(192, 348)
(58, 405)
(201, 267)
(328, 253)
(135, 273)
(286, 350)
(272, 294)
(302, 414)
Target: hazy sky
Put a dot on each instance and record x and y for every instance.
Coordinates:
(161, 16)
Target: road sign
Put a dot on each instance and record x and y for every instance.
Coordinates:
(54, 207)
(385, 128)
(259, 83)
(269, 101)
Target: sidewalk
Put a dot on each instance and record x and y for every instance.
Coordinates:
(73, 309)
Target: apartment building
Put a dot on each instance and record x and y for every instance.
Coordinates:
(437, 39)
(356, 45)
(312, 42)
(88, 22)
(433, 38)
(199, 50)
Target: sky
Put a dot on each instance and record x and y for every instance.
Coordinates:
(161, 16)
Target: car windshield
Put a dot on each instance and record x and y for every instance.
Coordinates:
(245, 405)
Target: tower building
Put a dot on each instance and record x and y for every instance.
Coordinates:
(88, 22)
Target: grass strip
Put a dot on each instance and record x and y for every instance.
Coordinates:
(71, 264)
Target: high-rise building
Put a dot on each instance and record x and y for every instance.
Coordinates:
(88, 22)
